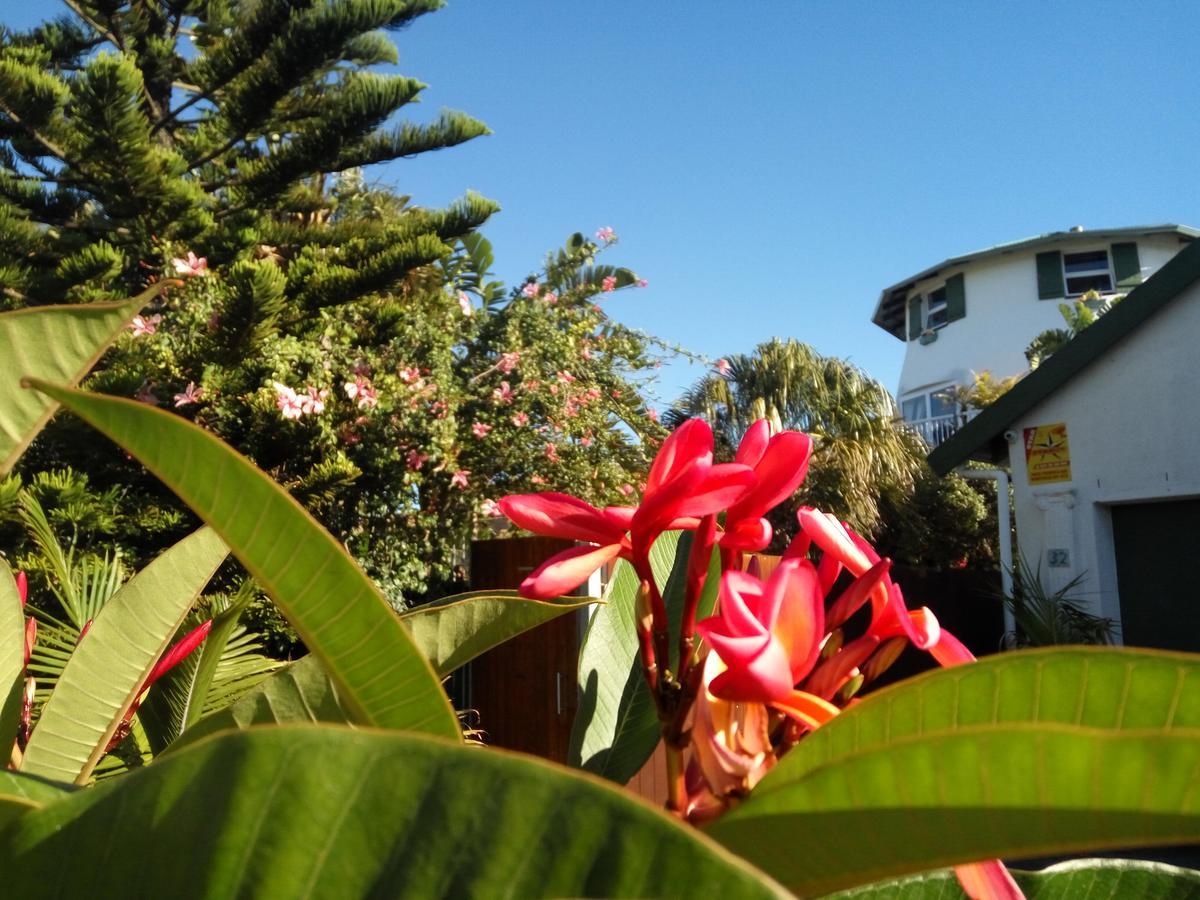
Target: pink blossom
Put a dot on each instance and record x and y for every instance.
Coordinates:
(191, 394)
(313, 401)
(536, 479)
(480, 429)
(145, 394)
(520, 420)
(609, 284)
(360, 367)
(503, 394)
(361, 391)
(287, 401)
(144, 325)
(531, 289)
(490, 509)
(652, 414)
(459, 479)
(642, 282)
(585, 353)
(550, 297)
(586, 440)
(551, 452)
(508, 362)
(411, 375)
(439, 409)
(191, 265)
(606, 235)
(566, 377)
(532, 384)
(627, 490)
(414, 459)
(464, 303)
(723, 366)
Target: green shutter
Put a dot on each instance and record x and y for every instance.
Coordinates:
(914, 317)
(1050, 276)
(1126, 265)
(956, 298)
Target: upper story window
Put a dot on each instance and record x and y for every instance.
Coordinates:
(937, 308)
(1061, 274)
(1088, 271)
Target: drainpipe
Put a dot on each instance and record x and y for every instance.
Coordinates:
(1005, 525)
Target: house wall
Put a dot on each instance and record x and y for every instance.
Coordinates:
(1133, 428)
(1003, 314)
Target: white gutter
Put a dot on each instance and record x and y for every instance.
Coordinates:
(1004, 518)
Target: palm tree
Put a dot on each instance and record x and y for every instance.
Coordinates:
(861, 450)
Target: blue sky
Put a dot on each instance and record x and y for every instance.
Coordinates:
(770, 168)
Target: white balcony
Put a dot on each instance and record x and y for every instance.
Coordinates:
(935, 430)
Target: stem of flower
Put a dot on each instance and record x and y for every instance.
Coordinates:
(644, 618)
(658, 614)
(676, 781)
(697, 575)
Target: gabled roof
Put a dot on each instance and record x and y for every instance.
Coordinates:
(983, 436)
(889, 312)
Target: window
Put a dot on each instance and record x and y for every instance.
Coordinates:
(913, 409)
(936, 312)
(1088, 271)
(936, 309)
(932, 414)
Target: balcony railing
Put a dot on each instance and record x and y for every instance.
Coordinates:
(934, 431)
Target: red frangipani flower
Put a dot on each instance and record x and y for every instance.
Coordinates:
(780, 463)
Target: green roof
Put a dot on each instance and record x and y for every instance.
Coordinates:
(983, 436)
(889, 312)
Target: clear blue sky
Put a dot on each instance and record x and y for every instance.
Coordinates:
(770, 168)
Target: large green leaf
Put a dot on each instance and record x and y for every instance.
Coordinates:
(1085, 879)
(1097, 687)
(1028, 754)
(12, 660)
(336, 609)
(20, 794)
(58, 343)
(328, 812)
(454, 630)
(106, 672)
(616, 728)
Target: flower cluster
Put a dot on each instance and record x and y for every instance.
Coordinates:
(294, 405)
(775, 660)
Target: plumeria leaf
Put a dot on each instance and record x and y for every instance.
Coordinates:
(616, 728)
(1085, 879)
(60, 344)
(336, 609)
(1026, 754)
(454, 630)
(393, 815)
(105, 673)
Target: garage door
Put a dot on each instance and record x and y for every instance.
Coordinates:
(1156, 546)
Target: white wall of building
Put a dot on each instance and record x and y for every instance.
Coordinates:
(1003, 314)
(1133, 427)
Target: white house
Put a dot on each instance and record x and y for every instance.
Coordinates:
(1104, 443)
(980, 311)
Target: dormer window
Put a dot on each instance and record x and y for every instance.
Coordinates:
(937, 308)
(1088, 271)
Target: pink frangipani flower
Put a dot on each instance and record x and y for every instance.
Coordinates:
(531, 289)
(191, 394)
(480, 429)
(609, 284)
(606, 235)
(143, 325)
(464, 303)
(190, 266)
(459, 479)
(722, 366)
(508, 362)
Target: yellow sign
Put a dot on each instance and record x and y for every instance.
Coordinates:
(1047, 455)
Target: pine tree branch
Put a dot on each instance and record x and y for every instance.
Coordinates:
(52, 148)
(96, 26)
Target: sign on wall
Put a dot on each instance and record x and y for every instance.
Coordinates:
(1047, 454)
